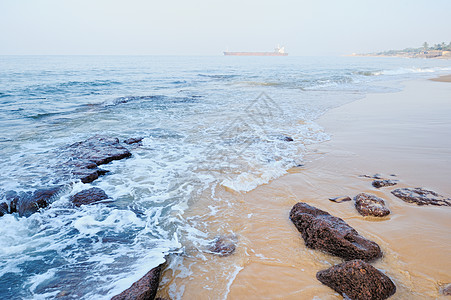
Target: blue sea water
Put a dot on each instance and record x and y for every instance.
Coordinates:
(206, 121)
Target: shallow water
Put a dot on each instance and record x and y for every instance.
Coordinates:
(211, 126)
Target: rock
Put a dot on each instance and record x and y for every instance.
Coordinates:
(357, 279)
(370, 205)
(446, 290)
(89, 196)
(143, 289)
(375, 176)
(421, 196)
(87, 155)
(133, 140)
(340, 199)
(382, 183)
(3, 208)
(322, 231)
(287, 139)
(223, 245)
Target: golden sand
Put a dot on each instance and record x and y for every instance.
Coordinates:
(406, 133)
(445, 78)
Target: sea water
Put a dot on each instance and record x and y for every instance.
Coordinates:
(234, 122)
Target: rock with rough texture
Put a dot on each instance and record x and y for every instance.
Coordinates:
(131, 141)
(446, 289)
(340, 199)
(357, 279)
(143, 289)
(87, 155)
(223, 245)
(322, 231)
(89, 196)
(370, 205)
(3, 208)
(421, 196)
(382, 183)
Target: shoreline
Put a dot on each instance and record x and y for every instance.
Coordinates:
(380, 133)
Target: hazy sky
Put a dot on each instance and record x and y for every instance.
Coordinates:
(322, 27)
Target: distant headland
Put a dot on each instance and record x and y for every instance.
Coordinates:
(442, 50)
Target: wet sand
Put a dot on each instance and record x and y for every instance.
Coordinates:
(407, 134)
(445, 78)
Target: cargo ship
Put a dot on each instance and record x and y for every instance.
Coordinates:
(278, 51)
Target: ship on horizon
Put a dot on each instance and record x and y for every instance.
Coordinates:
(278, 51)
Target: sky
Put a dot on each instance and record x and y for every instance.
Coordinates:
(208, 27)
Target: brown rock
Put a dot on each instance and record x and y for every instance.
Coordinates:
(382, 183)
(322, 231)
(89, 196)
(223, 245)
(340, 199)
(370, 205)
(357, 279)
(421, 196)
(143, 289)
(446, 290)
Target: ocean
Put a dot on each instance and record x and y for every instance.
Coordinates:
(206, 123)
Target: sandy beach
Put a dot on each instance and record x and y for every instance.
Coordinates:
(403, 136)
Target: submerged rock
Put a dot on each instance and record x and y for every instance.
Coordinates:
(322, 231)
(375, 176)
(223, 245)
(370, 205)
(383, 183)
(340, 199)
(133, 140)
(421, 196)
(143, 289)
(446, 290)
(357, 279)
(89, 196)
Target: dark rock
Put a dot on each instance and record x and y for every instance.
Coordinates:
(133, 140)
(370, 205)
(421, 196)
(382, 183)
(143, 289)
(340, 199)
(287, 139)
(375, 176)
(322, 231)
(87, 155)
(446, 290)
(89, 196)
(3, 208)
(357, 279)
(223, 245)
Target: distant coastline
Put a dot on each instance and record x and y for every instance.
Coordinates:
(440, 51)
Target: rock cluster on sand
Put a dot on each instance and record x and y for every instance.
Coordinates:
(322, 231)
(421, 196)
(357, 279)
(370, 205)
(89, 196)
(143, 289)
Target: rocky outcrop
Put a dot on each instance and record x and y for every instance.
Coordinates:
(421, 196)
(357, 279)
(143, 289)
(383, 183)
(27, 203)
(223, 245)
(89, 196)
(86, 156)
(370, 205)
(322, 231)
(340, 199)
(80, 161)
